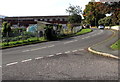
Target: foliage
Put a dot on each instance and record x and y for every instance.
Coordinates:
(105, 21)
(21, 42)
(93, 12)
(74, 18)
(74, 10)
(6, 29)
(50, 33)
(114, 9)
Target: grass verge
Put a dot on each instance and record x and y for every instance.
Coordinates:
(83, 31)
(116, 45)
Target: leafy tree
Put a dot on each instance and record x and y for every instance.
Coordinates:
(105, 21)
(6, 29)
(74, 10)
(92, 12)
(50, 33)
(75, 17)
(115, 10)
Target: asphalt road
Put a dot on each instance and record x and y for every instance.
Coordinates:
(63, 59)
(49, 48)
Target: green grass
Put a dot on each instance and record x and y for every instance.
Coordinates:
(83, 31)
(116, 45)
(22, 42)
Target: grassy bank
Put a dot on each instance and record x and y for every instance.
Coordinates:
(83, 31)
(116, 45)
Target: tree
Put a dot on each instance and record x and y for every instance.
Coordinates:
(74, 18)
(50, 33)
(92, 12)
(74, 15)
(115, 10)
(74, 10)
(105, 21)
(6, 29)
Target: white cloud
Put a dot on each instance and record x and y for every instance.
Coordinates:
(37, 7)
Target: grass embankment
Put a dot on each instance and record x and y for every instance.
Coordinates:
(116, 45)
(84, 31)
(22, 42)
(38, 40)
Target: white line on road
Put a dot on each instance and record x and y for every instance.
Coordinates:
(74, 50)
(70, 41)
(0, 66)
(50, 55)
(58, 53)
(81, 49)
(35, 49)
(51, 46)
(11, 63)
(25, 50)
(67, 52)
(26, 60)
(38, 58)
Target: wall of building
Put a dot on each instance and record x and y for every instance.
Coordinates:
(25, 21)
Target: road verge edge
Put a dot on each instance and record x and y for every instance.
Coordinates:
(102, 54)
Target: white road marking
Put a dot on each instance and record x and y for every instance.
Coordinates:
(25, 50)
(74, 50)
(26, 60)
(11, 63)
(81, 49)
(35, 49)
(50, 55)
(38, 58)
(43, 47)
(0, 66)
(70, 41)
(58, 53)
(51, 46)
(67, 52)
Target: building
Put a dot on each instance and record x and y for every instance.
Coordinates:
(27, 20)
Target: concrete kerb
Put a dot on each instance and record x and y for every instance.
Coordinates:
(102, 53)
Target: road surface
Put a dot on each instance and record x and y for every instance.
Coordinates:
(63, 59)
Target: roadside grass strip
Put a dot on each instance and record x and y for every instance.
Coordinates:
(116, 45)
(102, 54)
(83, 31)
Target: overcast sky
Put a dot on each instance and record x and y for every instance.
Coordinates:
(37, 7)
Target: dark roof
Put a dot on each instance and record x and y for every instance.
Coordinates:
(38, 16)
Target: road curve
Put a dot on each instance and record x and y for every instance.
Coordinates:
(26, 53)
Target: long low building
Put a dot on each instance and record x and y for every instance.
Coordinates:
(27, 20)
